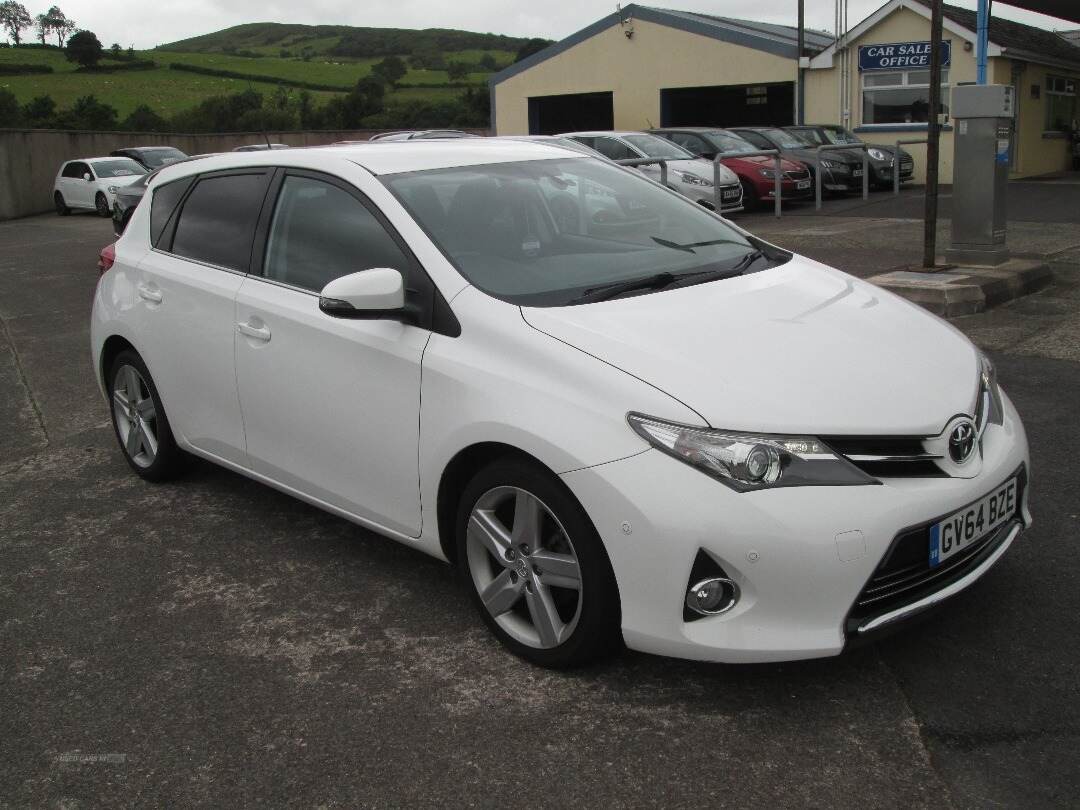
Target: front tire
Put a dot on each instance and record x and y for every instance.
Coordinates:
(101, 203)
(61, 206)
(139, 420)
(535, 566)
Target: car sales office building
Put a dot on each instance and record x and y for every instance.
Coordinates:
(642, 67)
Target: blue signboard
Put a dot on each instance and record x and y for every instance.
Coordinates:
(901, 55)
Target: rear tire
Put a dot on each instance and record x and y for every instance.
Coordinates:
(61, 206)
(523, 540)
(139, 420)
(101, 204)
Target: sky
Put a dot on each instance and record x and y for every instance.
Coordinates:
(148, 24)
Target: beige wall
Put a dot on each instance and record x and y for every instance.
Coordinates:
(29, 159)
(635, 70)
(1036, 154)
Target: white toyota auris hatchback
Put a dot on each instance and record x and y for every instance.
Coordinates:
(622, 417)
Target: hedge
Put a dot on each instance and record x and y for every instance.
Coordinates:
(131, 64)
(22, 69)
(256, 77)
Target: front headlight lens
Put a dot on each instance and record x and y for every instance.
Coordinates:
(770, 173)
(693, 179)
(113, 189)
(746, 461)
(989, 395)
(877, 154)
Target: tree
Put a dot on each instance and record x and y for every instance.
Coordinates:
(115, 51)
(390, 70)
(40, 112)
(56, 22)
(487, 62)
(14, 18)
(530, 47)
(457, 71)
(10, 111)
(84, 48)
(144, 119)
(88, 113)
(42, 27)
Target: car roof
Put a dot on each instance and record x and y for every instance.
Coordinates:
(611, 133)
(381, 158)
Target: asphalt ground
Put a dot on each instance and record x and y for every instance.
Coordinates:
(213, 642)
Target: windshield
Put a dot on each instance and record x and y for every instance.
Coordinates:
(655, 147)
(117, 167)
(727, 143)
(156, 158)
(543, 232)
(783, 138)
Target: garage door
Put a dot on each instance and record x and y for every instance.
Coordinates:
(574, 112)
(728, 105)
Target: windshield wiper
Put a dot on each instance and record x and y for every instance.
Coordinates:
(605, 291)
(689, 248)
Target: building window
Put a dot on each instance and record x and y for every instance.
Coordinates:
(1060, 103)
(900, 96)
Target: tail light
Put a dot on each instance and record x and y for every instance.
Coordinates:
(106, 259)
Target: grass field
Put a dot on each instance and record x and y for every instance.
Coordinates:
(170, 91)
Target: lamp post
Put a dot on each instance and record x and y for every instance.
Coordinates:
(933, 139)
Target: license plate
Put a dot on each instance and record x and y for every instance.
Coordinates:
(801, 184)
(730, 195)
(857, 173)
(972, 523)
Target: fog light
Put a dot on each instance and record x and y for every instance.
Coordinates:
(710, 597)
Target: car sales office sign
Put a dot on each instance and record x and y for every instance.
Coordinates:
(901, 55)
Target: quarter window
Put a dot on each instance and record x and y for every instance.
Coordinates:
(164, 202)
(217, 222)
(900, 96)
(320, 232)
(75, 170)
(1060, 103)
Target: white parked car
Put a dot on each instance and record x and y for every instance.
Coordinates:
(688, 174)
(92, 183)
(648, 426)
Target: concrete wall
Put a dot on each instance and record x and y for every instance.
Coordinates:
(635, 70)
(29, 159)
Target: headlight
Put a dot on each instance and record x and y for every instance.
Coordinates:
(827, 164)
(113, 189)
(748, 461)
(989, 409)
(770, 173)
(877, 154)
(693, 179)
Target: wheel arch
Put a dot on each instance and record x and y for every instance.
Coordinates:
(113, 345)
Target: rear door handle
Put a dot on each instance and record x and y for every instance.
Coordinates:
(254, 332)
(149, 294)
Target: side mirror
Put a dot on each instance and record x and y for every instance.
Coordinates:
(87, 177)
(367, 294)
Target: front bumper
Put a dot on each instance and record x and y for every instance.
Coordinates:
(800, 555)
(730, 202)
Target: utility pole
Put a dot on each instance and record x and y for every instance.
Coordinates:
(801, 119)
(933, 137)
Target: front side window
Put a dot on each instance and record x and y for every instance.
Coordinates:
(900, 96)
(117, 167)
(320, 232)
(1060, 103)
(613, 149)
(74, 170)
(691, 143)
(217, 222)
(547, 232)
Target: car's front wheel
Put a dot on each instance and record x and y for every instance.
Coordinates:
(139, 420)
(61, 206)
(536, 568)
(101, 203)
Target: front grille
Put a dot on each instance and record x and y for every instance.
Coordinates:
(798, 175)
(905, 576)
(887, 456)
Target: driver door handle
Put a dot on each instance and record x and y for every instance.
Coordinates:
(254, 332)
(149, 294)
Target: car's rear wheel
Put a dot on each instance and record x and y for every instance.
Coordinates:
(536, 568)
(139, 420)
(61, 206)
(101, 203)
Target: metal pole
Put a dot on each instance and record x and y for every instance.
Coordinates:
(716, 182)
(663, 172)
(896, 170)
(933, 139)
(817, 180)
(865, 175)
(801, 98)
(982, 27)
(777, 184)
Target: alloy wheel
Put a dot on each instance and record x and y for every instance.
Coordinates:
(135, 415)
(524, 567)
(102, 205)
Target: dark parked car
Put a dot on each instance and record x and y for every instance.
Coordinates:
(127, 197)
(842, 170)
(260, 147)
(151, 158)
(422, 135)
(756, 174)
(880, 156)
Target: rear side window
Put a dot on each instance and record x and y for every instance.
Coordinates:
(71, 170)
(320, 232)
(166, 198)
(613, 149)
(217, 221)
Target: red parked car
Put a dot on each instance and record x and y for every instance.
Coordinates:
(755, 173)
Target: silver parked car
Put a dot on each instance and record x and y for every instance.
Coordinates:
(689, 175)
